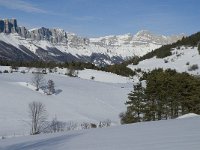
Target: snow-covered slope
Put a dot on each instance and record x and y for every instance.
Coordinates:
(177, 134)
(190, 115)
(182, 59)
(102, 76)
(76, 99)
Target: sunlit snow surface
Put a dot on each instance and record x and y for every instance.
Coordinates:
(177, 134)
(76, 99)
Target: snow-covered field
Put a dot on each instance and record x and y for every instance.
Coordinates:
(180, 60)
(76, 99)
(177, 134)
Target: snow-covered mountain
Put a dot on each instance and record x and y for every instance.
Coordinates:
(19, 43)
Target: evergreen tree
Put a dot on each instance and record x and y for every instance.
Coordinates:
(167, 95)
(50, 87)
(136, 103)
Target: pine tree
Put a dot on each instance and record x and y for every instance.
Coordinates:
(136, 103)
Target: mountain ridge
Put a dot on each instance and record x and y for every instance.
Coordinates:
(58, 45)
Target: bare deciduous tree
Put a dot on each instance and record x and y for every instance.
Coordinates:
(38, 80)
(85, 125)
(38, 116)
(71, 125)
(72, 72)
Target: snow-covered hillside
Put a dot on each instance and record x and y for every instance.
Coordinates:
(76, 99)
(177, 134)
(182, 59)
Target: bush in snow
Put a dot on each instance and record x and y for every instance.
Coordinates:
(71, 126)
(72, 72)
(92, 77)
(193, 67)
(165, 60)
(138, 70)
(56, 126)
(85, 125)
(105, 123)
(23, 71)
(50, 87)
(5, 71)
(93, 125)
(14, 68)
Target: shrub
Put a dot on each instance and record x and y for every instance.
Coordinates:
(71, 126)
(193, 67)
(138, 70)
(5, 71)
(71, 72)
(92, 77)
(165, 60)
(105, 123)
(85, 125)
(93, 125)
(23, 71)
(57, 126)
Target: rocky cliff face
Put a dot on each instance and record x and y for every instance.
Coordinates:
(58, 45)
(8, 25)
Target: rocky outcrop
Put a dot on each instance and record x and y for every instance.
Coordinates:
(8, 25)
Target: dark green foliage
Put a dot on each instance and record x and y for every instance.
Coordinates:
(42, 64)
(168, 94)
(120, 69)
(136, 103)
(127, 117)
(199, 48)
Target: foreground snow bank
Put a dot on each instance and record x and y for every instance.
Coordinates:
(177, 134)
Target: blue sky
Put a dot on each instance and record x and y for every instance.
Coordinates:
(94, 18)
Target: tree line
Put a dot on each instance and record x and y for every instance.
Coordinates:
(119, 69)
(164, 95)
